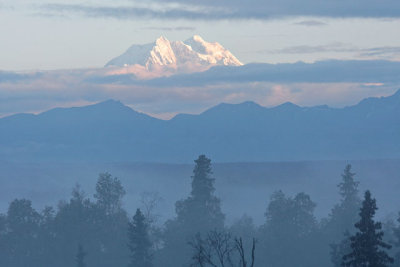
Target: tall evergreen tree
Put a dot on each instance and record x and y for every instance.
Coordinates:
(344, 215)
(139, 241)
(348, 187)
(80, 257)
(368, 248)
(200, 213)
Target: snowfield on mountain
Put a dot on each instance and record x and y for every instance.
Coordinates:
(164, 58)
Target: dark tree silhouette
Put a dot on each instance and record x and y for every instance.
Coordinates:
(348, 187)
(201, 210)
(343, 217)
(139, 241)
(367, 245)
(80, 257)
(200, 213)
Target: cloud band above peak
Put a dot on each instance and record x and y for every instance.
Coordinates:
(235, 9)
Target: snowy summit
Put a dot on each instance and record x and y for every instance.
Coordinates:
(168, 57)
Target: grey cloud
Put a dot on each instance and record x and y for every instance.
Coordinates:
(311, 23)
(12, 77)
(377, 52)
(326, 82)
(129, 12)
(50, 14)
(310, 49)
(238, 9)
(170, 28)
(331, 71)
(381, 51)
(115, 79)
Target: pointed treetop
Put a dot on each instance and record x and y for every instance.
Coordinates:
(139, 242)
(368, 247)
(202, 183)
(348, 187)
(139, 217)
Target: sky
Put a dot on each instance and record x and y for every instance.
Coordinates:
(66, 36)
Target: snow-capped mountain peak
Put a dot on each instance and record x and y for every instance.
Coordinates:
(161, 54)
(168, 57)
(214, 53)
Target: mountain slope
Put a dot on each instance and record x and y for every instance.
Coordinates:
(110, 131)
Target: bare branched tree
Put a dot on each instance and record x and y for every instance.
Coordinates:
(242, 256)
(202, 252)
(220, 243)
(150, 201)
(218, 249)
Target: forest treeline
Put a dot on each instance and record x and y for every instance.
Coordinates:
(98, 232)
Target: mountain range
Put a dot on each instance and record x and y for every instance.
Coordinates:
(164, 58)
(111, 131)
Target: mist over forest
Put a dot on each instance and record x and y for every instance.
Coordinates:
(131, 214)
(104, 185)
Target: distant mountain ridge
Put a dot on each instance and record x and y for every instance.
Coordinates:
(110, 131)
(164, 57)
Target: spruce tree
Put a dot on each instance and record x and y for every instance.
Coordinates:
(344, 215)
(367, 246)
(348, 187)
(200, 213)
(202, 183)
(139, 241)
(80, 257)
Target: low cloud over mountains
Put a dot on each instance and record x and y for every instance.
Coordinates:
(166, 78)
